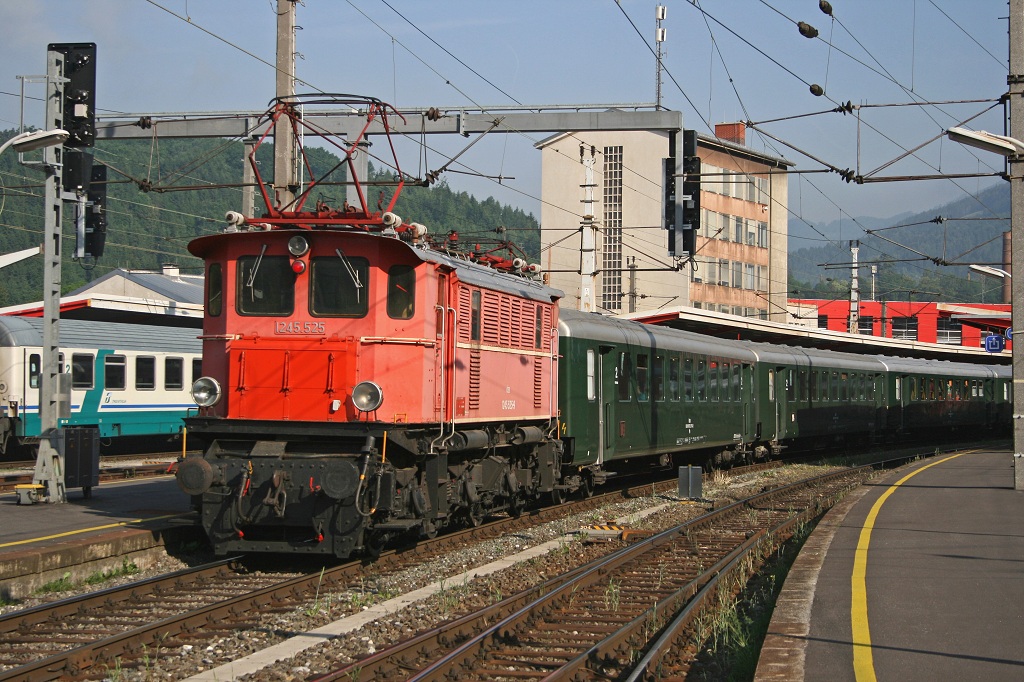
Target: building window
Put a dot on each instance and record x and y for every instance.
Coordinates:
(949, 331)
(866, 324)
(822, 321)
(904, 328)
(611, 250)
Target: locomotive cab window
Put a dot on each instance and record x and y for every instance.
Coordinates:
(337, 286)
(266, 286)
(115, 373)
(401, 292)
(214, 291)
(81, 370)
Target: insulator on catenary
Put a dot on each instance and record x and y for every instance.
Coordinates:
(825, 6)
(817, 90)
(806, 30)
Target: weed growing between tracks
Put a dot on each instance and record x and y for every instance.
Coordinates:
(737, 627)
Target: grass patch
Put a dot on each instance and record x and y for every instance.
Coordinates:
(737, 629)
(65, 583)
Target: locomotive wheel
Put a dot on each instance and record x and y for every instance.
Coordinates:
(474, 515)
(556, 496)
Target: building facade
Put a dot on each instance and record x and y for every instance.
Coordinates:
(602, 213)
(953, 324)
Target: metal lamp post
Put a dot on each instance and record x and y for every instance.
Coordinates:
(1013, 150)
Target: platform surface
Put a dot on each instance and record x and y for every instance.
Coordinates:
(129, 503)
(921, 579)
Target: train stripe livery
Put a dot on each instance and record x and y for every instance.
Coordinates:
(127, 380)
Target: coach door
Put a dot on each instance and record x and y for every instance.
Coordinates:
(444, 350)
(606, 392)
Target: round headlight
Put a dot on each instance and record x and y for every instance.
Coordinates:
(298, 245)
(206, 391)
(367, 396)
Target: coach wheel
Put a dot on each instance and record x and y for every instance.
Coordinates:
(587, 487)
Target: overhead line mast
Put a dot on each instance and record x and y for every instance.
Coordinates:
(285, 181)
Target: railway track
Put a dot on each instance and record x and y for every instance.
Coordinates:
(112, 468)
(87, 637)
(591, 622)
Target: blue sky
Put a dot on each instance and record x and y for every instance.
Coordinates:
(573, 51)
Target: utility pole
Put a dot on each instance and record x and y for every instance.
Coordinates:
(1007, 284)
(854, 289)
(659, 38)
(49, 470)
(285, 184)
(632, 284)
(588, 236)
(1015, 92)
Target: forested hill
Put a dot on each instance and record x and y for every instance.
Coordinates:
(153, 226)
(961, 232)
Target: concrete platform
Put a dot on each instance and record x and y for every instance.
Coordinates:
(918, 576)
(131, 520)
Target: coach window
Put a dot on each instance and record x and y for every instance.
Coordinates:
(624, 375)
(673, 378)
(642, 378)
(214, 291)
(899, 389)
(338, 286)
(737, 382)
(771, 384)
(844, 386)
(790, 389)
(401, 292)
(688, 379)
(701, 381)
(145, 373)
(591, 374)
(912, 388)
(474, 317)
(813, 384)
(81, 370)
(174, 372)
(265, 286)
(659, 378)
(197, 369)
(833, 391)
(34, 370)
(713, 381)
(114, 373)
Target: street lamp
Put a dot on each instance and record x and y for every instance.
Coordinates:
(49, 465)
(1013, 150)
(36, 139)
(989, 270)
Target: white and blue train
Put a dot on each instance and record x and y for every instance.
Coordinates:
(130, 381)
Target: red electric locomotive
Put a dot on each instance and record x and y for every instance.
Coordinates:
(360, 384)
